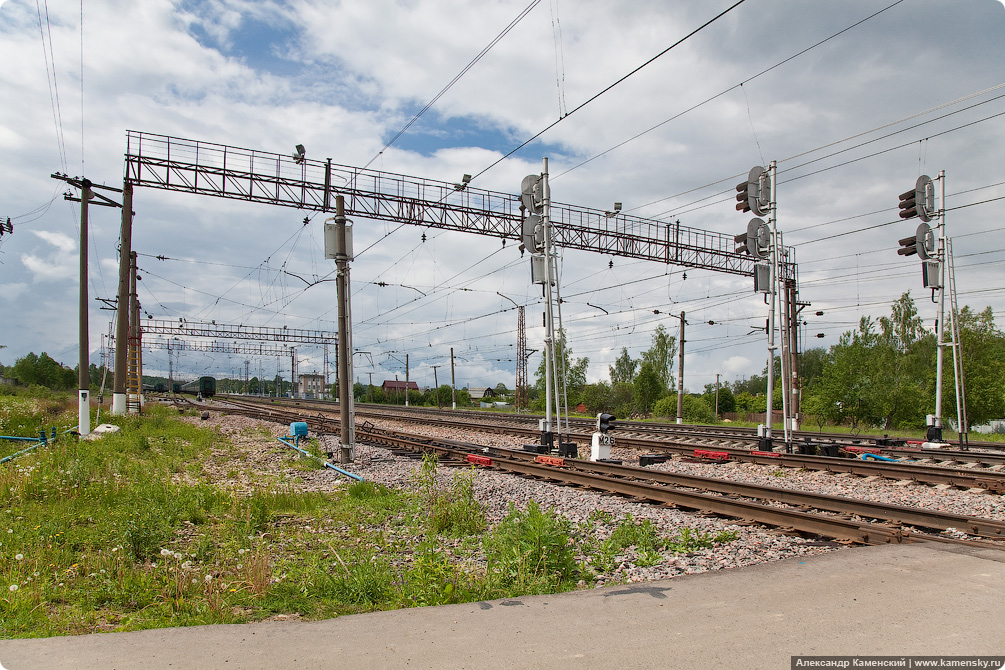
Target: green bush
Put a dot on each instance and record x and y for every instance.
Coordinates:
(695, 409)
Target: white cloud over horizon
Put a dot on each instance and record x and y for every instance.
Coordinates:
(343, 78)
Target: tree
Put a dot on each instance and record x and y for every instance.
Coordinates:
(727, 403)
(648, 388)
(598, 398)
(811, 365)
(623, 370)
(501, 389)
(982, 348)
(575, 372)
(660, 355)
(695, 409)
(44, 371)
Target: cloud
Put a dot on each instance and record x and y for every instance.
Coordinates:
(56, 265)
(342, 78)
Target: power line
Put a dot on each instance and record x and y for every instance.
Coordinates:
(722, 93)
(50, 77)
(456, 78)
(810, 151)
(611, 86)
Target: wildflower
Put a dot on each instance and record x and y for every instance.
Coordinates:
(13, 588)
(165, 552)
(208, 578)
(19, 557)
(240, 551)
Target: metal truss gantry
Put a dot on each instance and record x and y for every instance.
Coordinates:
(217, 347)
(190, 166)
(185, 328)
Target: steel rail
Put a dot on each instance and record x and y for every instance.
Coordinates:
(710, 434)
(599, 479)
(990, 480)
(913, 516)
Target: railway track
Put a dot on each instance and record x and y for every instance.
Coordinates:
(836, 517)
(985, 477)
(986, 454)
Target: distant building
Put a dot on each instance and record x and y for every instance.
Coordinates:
(479, 392)
(394, 386)
(311, 385)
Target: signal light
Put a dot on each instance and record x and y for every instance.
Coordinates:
(756, 241)
(755, 193)
(531, 193)
(919, 202)
(908, 245)
(743, 197)
(605, 422)
(921, 243)
(908, 205)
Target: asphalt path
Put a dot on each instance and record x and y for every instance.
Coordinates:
(895, 600)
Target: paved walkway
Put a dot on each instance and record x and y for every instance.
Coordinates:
(891, 600)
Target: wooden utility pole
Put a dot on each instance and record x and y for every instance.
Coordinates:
(436, 384)
(83, 369)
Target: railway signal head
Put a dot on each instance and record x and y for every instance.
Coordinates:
(921, 243)
(533, 233)
(532, 193)
(755, 193)
(920, 201)
(756, 241)
(925, 241)
(605, 422)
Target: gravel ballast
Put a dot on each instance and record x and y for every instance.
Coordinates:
(498, 490)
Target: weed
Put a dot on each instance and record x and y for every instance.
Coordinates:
(531, 550)
(453, 509)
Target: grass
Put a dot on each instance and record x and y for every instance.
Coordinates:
(135, 531)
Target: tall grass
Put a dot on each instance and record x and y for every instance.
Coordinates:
(130, 532)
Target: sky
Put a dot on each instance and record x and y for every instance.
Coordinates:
(853, 99)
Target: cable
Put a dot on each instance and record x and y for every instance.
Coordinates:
(722, 93)
(810, 151)
(453, 81)
(57, 117)
(611, 86)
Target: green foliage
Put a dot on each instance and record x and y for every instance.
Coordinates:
(435, 580)
(982, 351)
(695, 409)
(574, 371)
(727, 403)
(531, 551)
(43, 371)
(660, 356)
(597, 398)
(649, 386)
(453, 509)
(623, 370)
(666, 408)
